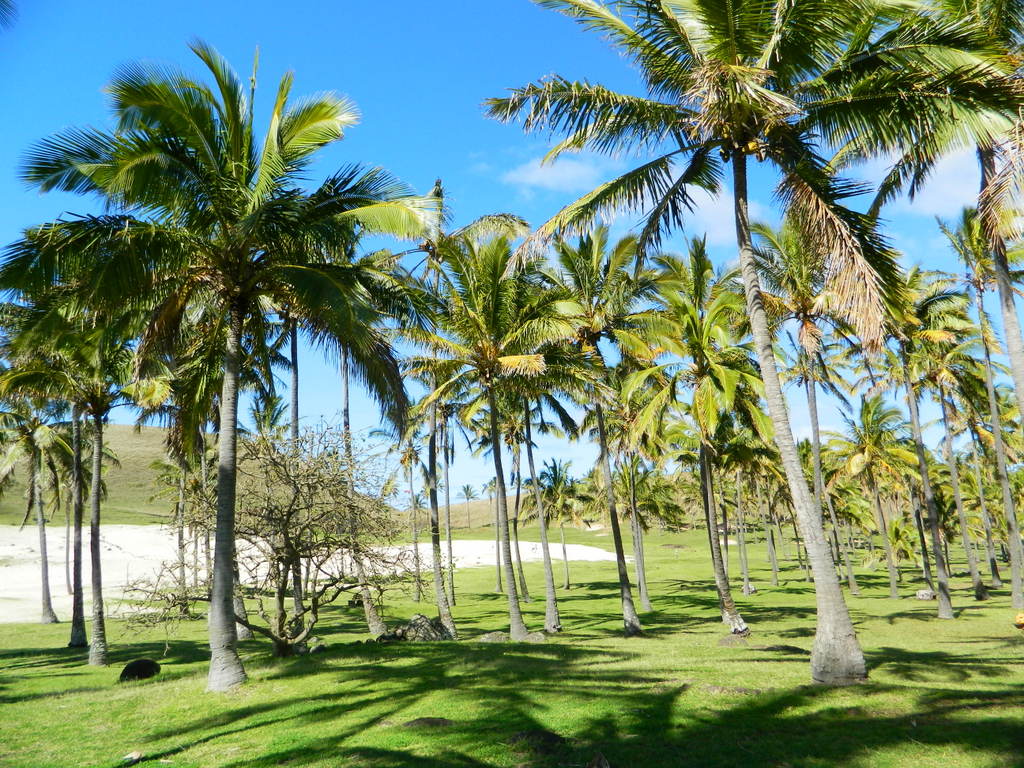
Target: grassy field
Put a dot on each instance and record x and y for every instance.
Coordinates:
(941, 694)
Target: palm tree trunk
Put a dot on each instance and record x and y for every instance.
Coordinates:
(883, 528)
(980, 592)
(447, 448)
(524, 592)
(769, 534)
(1001, 269)
(741, 537)
(565, 557)
(498, 589)
(179, 525)
(730, 614)
(552, 621)
(414, 519)
(78, 636)
(942, 575)
(374, 624)
(47, 614)
(98, 646)
(296, 565)
(836, 657)
(630, 620)
(440, 595)
(819, 482)
(517, 629)
(986, 520)
(1009, 503)
(226, 669)
(915, 503)
(67, 546)
(638, 541)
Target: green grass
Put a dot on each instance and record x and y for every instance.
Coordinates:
(942, 694)
(130, 486)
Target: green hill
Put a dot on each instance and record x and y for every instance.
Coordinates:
(130, 486)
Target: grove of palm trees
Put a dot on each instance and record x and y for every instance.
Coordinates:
(687, 440)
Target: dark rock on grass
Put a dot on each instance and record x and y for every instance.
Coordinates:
(419, 629)
(429, 722)
(140, 669)
(494, 637)
(537, 741)
(504, 637)
(599, 761)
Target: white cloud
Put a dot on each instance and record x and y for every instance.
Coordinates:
(570, 175)
(713, 217)
(952, 185)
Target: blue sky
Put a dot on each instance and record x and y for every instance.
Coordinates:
(418, 72)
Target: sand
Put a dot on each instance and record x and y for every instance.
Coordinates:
(137, 552)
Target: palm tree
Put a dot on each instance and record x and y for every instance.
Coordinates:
(972, 246)
(932, 313)
(562, 502)
(87, 361)
(468, 494)
(951, 369)
(782, 81)
(792, 275)
(702, 310)
(493, 325)
(29, 433)
(611, 309)
(205, 215)
(876, 445)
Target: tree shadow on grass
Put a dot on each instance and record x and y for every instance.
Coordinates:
(641, 721)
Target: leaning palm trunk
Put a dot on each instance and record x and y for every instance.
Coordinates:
(638, 560)
(440, 595)
(1000, 266)
(98, 646)
(741, 537)
(524, 592)
(730, 614)
(78, 636)
(915, 502)
(980, 592)
(47, 614)
(986, 520)
(226, 669)
(769, 534)
(638, 542)
(630, 620)
(374, 623)
(565, 556)
(552, 621)
(413, 517)
(823, 501)
(447, 448)
(941, 574)
(836, 657)
(498, 589)
(517, 629)
(1009, 504)
(883, 528)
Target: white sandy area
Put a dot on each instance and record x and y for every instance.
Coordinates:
(130, 553)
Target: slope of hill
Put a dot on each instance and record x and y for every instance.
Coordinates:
(130, 486)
